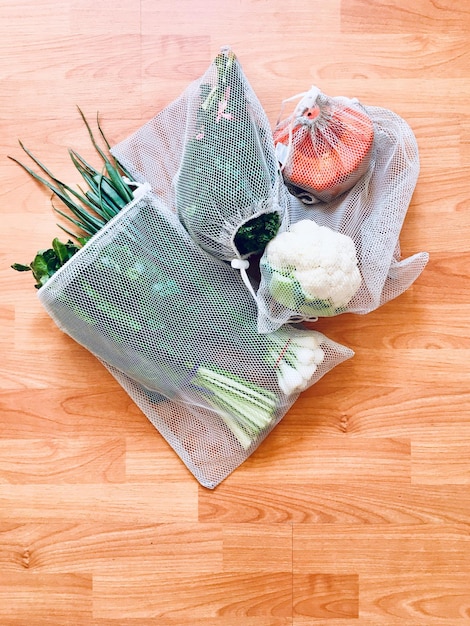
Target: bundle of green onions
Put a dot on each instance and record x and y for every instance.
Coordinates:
(109, 190)
(248, 410)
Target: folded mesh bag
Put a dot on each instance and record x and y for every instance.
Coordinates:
(323, 275)
(177, 328)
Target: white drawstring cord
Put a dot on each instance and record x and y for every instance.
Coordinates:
(243, 265)
(140, 188)
(308, 99)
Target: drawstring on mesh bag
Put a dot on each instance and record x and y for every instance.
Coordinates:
(243, 265)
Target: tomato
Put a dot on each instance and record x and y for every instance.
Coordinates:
(330, 148)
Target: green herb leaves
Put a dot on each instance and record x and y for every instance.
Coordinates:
(253, 236)
(46, 262)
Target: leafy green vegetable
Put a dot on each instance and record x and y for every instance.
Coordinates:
(225, 169)
(254, 235)
(21, 268)
(46, 262)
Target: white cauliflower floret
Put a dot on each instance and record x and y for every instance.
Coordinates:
(312, 268)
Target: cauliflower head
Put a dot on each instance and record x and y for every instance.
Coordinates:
(311, 269)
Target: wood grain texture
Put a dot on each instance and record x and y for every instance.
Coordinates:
(356, 509)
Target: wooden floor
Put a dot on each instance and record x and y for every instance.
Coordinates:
(356, 509)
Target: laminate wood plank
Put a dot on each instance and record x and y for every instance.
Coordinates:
(223, 620)
(163, 502)
(170, 56)
(84, 619)
(326, 596)
(430, 413)
(96, 58)
(437, 600)
(425, 366)
(354, 503)
(52, 596)
(26, 19)
(372, 618)
(30, 369)
(90, 17)
(230, 20)
(67, 406)
(7, 320)
(352, 56)
(152, 463)
(257, 547)
(324, 460)
(455, 219)
(403, 550)
(398, 16)
(48, 548)
(447, 137)
(59, 461)
(443, 465)
(80, 91)
(98, 410)
(403, 576)
(445, 269)
(187, 597)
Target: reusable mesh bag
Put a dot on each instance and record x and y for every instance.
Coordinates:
(177, 329)
(371, 214)
(324, 147)
(210, 156)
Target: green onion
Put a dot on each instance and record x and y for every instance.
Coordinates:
(88, 211)
(246, 408)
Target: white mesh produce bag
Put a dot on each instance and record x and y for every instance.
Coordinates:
(363, 268)
(210, 156)
(177, 329)
(324, 146)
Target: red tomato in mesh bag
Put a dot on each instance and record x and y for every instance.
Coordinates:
(328, 148)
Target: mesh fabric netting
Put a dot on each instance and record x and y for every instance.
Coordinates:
(371, 213)
(210, 156)
(177, 329)
(324, 146)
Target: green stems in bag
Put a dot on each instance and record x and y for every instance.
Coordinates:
(108, 191)
(246, 408)
(227, 174)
